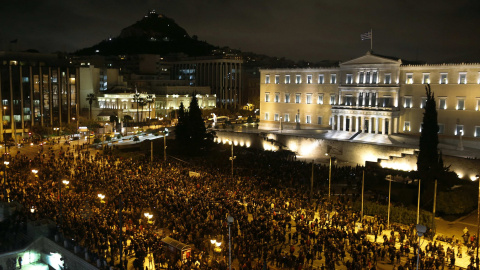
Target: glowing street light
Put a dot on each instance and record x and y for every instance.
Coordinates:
(232, 157)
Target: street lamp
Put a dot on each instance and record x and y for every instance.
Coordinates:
(478, 217)
(4, 132)
(280, 127)
(230, 221)
(165, 132)
(389, 179)
(5, 178)
(232, 157)
(330, 173)
(65, 182)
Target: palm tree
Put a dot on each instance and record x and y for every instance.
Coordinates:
(143, 102)
(90, 98)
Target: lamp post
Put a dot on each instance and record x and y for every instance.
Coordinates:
(165, 145)
(5, 178)
(60, 182)
(363, 184)
(329, 174)
(418, 204)
(4, 132)
(232, 157)
(280, 127)
(389, 179)
(230, 221)
(478, 218)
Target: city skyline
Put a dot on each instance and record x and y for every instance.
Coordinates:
(312, 30)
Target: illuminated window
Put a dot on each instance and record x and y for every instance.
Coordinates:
(298, 79)
(388, 78)
(462, 78)
(477, 132)
(309, 98)
(297, 98)
(321, 79)
(266, 116)
(426, 78)
(319, 120)
(406, 126)
(349, 79)
(441, 128)
(287, 79)
(276, 117)
(309, 119)
(267, 79)
(267, 97)
(277, 79)
(277, 97)
(442, 103)
(423, 103)
(409, 79)
(309, 79)
(367, 77)
(461, 103)
(333, 78)
(443, 78)
(320, 99)
(478, 105)
(374, 77)
(348, 100)
(287, 97)
(361, 77)
(332, 99)
(459, 130)
(407, 102)
(287, 117)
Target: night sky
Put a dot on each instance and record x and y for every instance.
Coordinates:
(432, 31)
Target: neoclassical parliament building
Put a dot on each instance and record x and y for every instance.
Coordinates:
(372, 94)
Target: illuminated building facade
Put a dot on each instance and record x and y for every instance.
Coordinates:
(372, 94)
(36, 89)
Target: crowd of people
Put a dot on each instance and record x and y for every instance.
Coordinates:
(278, 221)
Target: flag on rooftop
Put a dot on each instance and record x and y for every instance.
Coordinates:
(366, 36)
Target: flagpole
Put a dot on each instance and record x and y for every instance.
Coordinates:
(371, 40)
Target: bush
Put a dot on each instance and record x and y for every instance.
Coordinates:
(249, 120)
(136, 139)
(119, 136)
(459, 201)
(97, 140)
(108, 138)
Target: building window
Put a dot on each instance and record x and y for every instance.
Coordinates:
(388, 78)
(309, 79)
(320, 99)
(287, 117)
(297, 98)
(426, 78)
(442, 103)
(277, 97)
(275, 117)
(349, 79)
(309, 119)
(298, 79)
(287, 79)
(423, 103)
(266, 116)
(374, 77)
(309, 98)
(477, 132)
(319, 120)
(443, 78)
(267, 79)
(297, 118)
(367, 77)
(461, 104)
(321, 79)
(441, 128)
(361, 77)
(409, 79)
(406, 126)
(459, 130)
(332, 100)
(478, 105)
(287, 97)
(333, 78)
(277, 79)
(348, 100)
(267, 97)
(407, 102)
(462, 78)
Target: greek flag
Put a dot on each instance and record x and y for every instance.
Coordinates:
(366, 36)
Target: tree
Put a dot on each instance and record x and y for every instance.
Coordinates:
(90, 98)
(127, 118)
(197, 128)
(114, 120)
(143, 103)
(428, 158)
(181, 130)
(136, 98)
(150, 101)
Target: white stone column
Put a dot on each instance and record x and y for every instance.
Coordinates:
(395, 125)
(344, 123)
(338, 122)
(376, 124)
(383, 126)
(390, 122)
(362, 124)
(351, 123)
